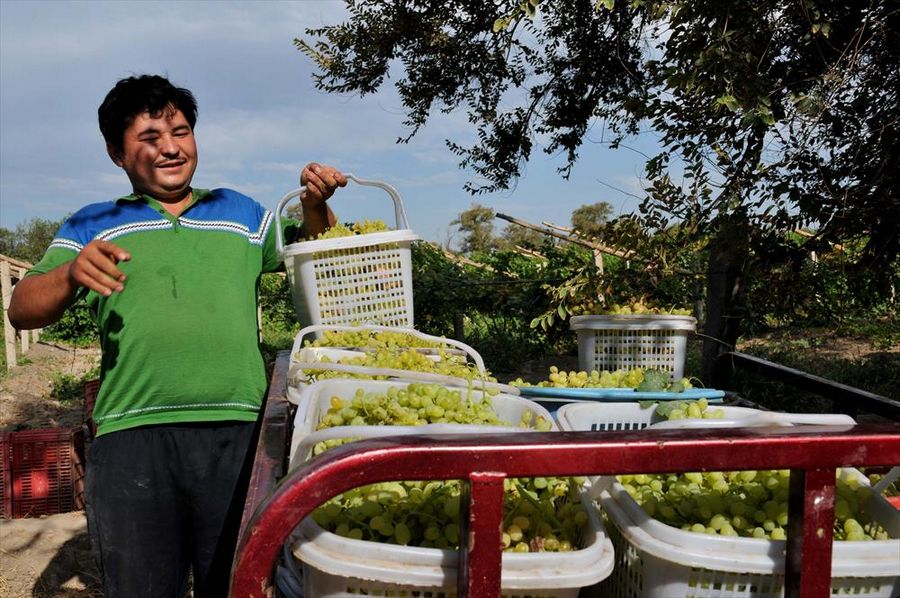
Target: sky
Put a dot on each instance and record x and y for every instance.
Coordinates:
(260, 117)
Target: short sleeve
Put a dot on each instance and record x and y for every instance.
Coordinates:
(272, 262)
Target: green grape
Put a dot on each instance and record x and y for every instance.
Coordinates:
(749, 503)
(622, 378)
(543, 514)
(641, 307)
(358, 228)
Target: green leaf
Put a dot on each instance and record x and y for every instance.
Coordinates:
(729, 101)
(607, 4)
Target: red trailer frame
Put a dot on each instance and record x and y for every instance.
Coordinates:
(812, 453)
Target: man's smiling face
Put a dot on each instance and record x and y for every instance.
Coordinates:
(159, 154)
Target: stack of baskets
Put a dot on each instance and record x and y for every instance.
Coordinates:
(365, 283)
(335, 567)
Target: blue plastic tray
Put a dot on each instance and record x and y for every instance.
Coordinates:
(620, 394)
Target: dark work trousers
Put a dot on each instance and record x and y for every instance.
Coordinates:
(166, 500)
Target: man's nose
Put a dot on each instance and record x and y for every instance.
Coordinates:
(168, 146)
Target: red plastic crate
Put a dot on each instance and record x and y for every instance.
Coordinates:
(5, 476)
(43, 472)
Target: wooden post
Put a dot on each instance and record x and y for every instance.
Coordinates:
(24, 336)
(9, 333)
(12, 269)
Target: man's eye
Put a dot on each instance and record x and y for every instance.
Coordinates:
(149, 139)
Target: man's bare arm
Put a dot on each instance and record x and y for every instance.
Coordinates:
(41, 299)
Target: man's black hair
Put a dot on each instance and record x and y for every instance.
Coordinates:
(133, 96)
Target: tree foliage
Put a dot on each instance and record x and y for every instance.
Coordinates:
(477, 226)
(771, 114)
(590, 219)
(29, 240)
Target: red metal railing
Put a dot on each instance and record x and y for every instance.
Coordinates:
(812, 453)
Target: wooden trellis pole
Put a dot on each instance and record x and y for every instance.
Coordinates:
(11, 271)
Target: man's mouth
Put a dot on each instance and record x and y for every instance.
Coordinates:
(171, 164)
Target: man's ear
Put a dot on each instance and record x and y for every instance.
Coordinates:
(115, 154)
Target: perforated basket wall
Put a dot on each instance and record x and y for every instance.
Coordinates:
(354, 284)
(627, 342)
(46, 472)
(648, 564)
(336, 567)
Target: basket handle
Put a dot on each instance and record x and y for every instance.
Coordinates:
(468, 350)
(399, 210)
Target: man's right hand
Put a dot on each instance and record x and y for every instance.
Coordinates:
(41, 299)
(96, 268)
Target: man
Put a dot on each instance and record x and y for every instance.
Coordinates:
(171, 274)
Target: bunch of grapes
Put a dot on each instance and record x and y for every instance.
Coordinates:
(751, 504)
(356, 228)
(371, 339)
(418, 404)
(639, 307)
(540, 514)
(698, 409)
(446, 364)
(621, 378)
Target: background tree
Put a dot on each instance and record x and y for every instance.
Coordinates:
(589, 219)
(477, 226)
(29, 240)
(771, 114)
(518, 236)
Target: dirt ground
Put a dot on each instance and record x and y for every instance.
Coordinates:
(45, 557)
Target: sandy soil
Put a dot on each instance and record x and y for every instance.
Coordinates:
(45, 557)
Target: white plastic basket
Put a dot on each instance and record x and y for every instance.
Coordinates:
(315, 399)
(633, 341)
(577, 417)
(654, 559)
(337, 567)
(349, 280)
(306, 359)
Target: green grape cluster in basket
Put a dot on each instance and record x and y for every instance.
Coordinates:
(540, 514)
(371, 339)
(363, 227)
(445, 364)
(639, 307)
(647, 380)
(750, 504)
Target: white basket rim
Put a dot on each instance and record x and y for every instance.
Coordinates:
(633, 321)
(304, 248)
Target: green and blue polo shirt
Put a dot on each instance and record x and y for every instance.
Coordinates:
(180, 344)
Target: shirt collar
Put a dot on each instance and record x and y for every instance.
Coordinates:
(197, 195)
